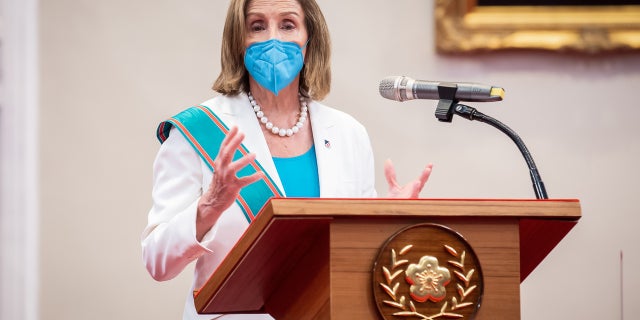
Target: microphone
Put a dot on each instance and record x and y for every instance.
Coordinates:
(401, 88)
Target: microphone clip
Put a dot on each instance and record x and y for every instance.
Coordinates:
(447, 102)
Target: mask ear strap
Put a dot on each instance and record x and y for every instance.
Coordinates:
(305, 44)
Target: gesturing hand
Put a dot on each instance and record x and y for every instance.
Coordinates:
(412, 189)
(225, 184)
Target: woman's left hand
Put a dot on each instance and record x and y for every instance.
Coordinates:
(412, 189)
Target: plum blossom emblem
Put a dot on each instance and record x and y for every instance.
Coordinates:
(427, 280)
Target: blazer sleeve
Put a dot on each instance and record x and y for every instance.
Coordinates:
(169, 241)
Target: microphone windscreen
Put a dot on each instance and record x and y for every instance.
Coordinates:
(389, 88)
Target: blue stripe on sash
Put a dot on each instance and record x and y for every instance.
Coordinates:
(205, 131)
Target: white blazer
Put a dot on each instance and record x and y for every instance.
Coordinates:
(345, 169)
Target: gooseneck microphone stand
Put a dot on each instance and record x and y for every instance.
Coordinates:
(447, 107)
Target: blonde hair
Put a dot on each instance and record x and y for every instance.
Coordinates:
(315, 77)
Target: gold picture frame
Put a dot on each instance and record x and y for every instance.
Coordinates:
(463, 27)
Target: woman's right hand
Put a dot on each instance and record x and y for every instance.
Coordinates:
(225, 184)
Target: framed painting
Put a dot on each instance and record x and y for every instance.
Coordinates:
(577, 26)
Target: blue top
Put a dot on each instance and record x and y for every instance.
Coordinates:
(299, 175)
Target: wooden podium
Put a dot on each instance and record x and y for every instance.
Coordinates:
(312, 258)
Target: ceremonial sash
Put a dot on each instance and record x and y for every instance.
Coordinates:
(205, 131)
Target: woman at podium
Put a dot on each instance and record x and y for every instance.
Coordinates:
(265, 135)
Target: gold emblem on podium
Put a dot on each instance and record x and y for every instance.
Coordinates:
(427, 271)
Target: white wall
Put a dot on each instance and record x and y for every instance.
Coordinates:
(18, 160)
(111, 70)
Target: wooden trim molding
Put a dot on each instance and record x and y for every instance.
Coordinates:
(463, 27)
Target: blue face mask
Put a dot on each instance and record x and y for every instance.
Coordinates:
(274, 64)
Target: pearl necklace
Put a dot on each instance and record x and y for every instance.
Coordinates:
(302, 118)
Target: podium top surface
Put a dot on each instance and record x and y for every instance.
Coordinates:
(549, 208)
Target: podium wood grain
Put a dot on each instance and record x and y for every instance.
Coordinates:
(313, 258)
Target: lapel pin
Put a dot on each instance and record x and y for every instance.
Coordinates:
(327, 144)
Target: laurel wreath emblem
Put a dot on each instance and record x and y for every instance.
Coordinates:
(407, 306)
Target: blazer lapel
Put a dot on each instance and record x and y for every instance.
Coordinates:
(239, 111)
(325, 139)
